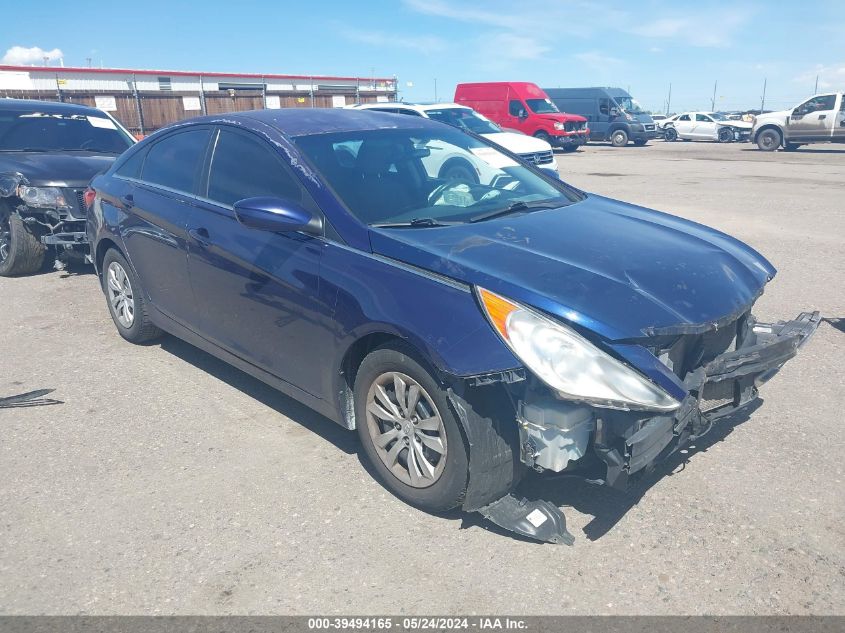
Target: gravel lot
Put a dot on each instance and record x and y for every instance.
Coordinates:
(168, 482)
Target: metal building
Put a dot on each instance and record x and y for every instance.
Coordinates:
(145, 100)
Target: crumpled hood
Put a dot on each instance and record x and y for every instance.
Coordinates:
(61, 169)
(742, 125)
(612, 268)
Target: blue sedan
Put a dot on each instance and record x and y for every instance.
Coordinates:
(470, 328)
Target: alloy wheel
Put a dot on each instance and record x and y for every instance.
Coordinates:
(120, 293)
(406, 429)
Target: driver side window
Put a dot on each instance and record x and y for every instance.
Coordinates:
(816, 104)
(703, 117)
(515, 108)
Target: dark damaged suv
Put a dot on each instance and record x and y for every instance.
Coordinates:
(48, 154)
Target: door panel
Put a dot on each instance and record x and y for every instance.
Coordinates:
(258, 291)
(684, 126)
(814, 119)
(157, 211)
(703, 128)
(155, 234)
(258, 295)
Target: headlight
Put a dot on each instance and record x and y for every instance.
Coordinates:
(559, 126)
(50, 197)
(568, 363)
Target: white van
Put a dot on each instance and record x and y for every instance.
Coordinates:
(528, 148)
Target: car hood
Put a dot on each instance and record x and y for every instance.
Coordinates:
(643, 118)
(743, 125)
(61, 169)
(777, 116)
(518, 143)
(563, 117)
(615, 269)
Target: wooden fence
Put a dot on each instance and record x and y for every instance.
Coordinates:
(145, 112)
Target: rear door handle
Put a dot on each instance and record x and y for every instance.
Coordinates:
(200, 236)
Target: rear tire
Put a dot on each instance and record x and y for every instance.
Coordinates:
(21, 250)
(430, 473)
(670, 134)
(769, 140)
(125, 298)
(619, 138)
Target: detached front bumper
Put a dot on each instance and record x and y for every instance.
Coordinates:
(724, 385)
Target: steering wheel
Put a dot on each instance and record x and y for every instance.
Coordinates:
(438, 193)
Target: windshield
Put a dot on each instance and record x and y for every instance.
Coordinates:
(431, 176)
(466, 119)
(541, 106)
(631, 106)
(25, 130)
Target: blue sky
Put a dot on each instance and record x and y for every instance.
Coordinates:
(641, 44)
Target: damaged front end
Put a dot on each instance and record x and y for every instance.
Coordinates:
(710, 373)
(56, 214)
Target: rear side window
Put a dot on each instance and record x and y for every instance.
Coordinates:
(245, 167)
(131, 167)
(684, 117)
(174, 161)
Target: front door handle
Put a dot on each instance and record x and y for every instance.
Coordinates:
(822, 117)
(128, 201)
(200, 236)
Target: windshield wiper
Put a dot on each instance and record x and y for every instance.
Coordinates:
(515, 207)
(415, 223)
(94, 150)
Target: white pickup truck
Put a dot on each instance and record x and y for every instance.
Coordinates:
(820, 119)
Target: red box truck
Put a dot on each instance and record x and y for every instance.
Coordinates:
(524, 106)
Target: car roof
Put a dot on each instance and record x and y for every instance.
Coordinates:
(418, 107)
(46, 106)
(307, 121)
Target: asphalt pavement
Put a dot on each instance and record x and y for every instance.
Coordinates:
(166, 481)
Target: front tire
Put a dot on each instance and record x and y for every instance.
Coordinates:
(408, 431)
(125, 298)
(619, 138)
(21, 251)
(726, 135)
(769, 140)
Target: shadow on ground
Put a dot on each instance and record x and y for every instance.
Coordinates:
(605, 505)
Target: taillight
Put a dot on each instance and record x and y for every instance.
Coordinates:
(88, 197)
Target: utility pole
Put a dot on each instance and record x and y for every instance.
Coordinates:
(816, 89)
(763, 100)
(202, 96)
(435, 89)
(713, 100)
(669, 100)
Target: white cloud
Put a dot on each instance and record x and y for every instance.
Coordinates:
(598, 61)
(829, 76)
(22, 56)
(715, 31)
(421, 43)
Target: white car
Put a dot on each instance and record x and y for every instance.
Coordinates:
(705, 126)
(530, 149)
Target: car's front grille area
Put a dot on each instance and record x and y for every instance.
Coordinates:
(538, 158)
(574, 126)
(691, 351)
(76, 200)
(716, 395)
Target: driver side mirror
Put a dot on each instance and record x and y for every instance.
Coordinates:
(614, 112)
(277, 215)
(522, 113)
